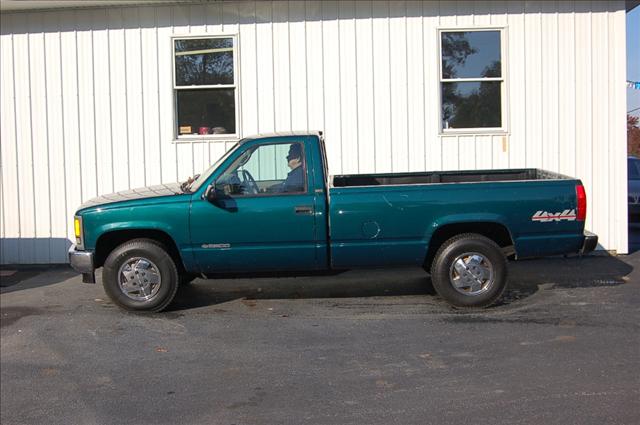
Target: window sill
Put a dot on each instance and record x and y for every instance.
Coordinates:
(474, 132)
(211, 138)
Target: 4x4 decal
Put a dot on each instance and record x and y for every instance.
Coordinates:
(545, 217)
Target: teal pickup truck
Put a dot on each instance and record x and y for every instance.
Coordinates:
(269, 205)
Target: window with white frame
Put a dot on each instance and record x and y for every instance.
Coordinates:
(205, 85)
(471, 80)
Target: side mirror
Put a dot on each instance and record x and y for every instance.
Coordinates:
(210, 193)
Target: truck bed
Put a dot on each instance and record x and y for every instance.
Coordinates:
(434, 177)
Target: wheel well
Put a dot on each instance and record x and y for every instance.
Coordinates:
(494, 231)
(107, 242)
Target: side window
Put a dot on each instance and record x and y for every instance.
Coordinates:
(266, 169)
(471, 80)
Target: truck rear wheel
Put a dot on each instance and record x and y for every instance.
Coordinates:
(140, 275)
(469, 270)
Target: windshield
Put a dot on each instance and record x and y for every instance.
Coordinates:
(200, 179)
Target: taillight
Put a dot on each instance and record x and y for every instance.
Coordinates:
(581, 196)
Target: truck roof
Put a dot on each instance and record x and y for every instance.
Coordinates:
(281, 134)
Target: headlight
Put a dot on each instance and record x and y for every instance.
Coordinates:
(77, 227)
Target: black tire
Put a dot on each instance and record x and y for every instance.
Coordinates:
(459, 245)
(153, 251)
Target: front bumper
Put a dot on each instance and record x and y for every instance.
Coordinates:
(82, 262)
(590, 242)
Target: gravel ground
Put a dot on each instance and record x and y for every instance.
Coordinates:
(362, 347)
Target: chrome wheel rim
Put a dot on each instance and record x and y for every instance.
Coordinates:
(139, 279)
(471, 274)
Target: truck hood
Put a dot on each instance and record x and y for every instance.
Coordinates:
(170, 189)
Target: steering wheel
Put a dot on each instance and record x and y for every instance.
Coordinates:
(252, 186)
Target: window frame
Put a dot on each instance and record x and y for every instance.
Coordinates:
(270, 194)
(236, 135)
(504, 87)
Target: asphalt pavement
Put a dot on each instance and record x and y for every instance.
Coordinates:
(361, 347)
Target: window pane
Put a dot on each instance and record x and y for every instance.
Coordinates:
(471, 105)
(205, 61)
(267, 169)
(206, 111)
(471, 54)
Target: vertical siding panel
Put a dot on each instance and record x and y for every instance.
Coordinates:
(567, 89)
(431, 98)
(331, 62)
(298, 65)
(583, 101)
(315, 65)
(467, 152)
(484, 152)
(39, 140)
(398, 79)
(517, 81)
(8, 134)
(550, 89)
(500, 152)
(230, 17)
(450, 153)
(381, 87)
(214, 16)
(348, 84)
(600, 164)
(248, 69)
(464, 12)
(24, 139)
(150, 99)
(264, 52)
(118, 95)
(481, 13)
(217, 149)
(364, 80)
(133, 84)
(166, 101)
(70, 114)
(102, 94)
(617, 132)
(281, 78)
(415, 87)
(86, 111)
(55, 135)
(533, 85)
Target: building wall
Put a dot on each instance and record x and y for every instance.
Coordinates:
(87, 99)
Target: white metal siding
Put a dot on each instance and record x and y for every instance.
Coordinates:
(87, 100)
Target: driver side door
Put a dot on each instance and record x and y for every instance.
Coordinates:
(255, 225)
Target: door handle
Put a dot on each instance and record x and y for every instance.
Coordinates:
(303, 209)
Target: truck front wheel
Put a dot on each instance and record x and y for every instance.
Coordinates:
(469, 270)
(140, 275)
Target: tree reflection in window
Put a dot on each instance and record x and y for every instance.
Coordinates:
(207, 61)
(471, 79)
